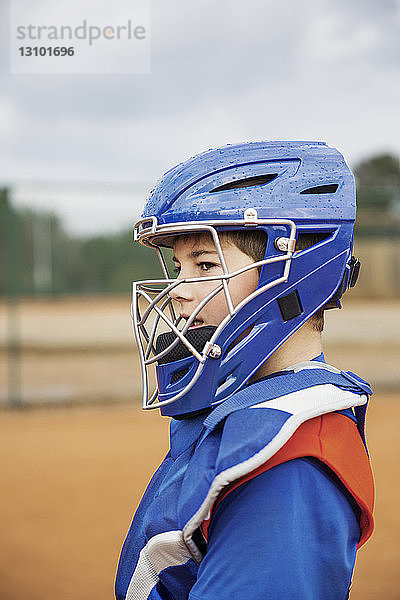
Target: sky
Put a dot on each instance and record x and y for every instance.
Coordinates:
(91, 146)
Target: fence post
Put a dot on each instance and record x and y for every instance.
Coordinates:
(10, 242)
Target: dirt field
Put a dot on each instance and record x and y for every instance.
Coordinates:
(70, 479)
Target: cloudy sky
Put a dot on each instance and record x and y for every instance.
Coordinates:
(221, 71)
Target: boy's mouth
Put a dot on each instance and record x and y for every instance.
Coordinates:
(196, 323)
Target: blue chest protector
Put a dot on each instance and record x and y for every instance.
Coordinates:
(209, 453)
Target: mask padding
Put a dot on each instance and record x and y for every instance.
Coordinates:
(322, 189)
(248, 182)
(197, 337)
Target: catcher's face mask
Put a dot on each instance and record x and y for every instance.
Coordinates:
(178, 319)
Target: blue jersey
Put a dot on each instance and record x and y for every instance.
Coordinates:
(290, 532)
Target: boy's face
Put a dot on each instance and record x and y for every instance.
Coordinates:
(196, 256)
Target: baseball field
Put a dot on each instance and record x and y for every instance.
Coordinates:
(76, 456)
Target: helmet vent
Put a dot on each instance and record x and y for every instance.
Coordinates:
(322, 189)
(248, 182)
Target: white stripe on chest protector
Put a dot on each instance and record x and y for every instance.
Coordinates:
(161, 551)
(312, 399)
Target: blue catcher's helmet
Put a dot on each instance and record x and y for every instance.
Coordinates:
(282, 188)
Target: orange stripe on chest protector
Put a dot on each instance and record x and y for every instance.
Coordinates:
(334, 440)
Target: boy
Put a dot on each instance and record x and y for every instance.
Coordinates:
(266, 491)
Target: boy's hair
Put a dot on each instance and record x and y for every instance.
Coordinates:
(254, 242)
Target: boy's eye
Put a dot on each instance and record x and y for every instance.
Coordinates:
(203, 266)
(206, 266)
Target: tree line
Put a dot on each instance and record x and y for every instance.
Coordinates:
(37, 255)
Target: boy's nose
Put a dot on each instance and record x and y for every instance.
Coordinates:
(182, 292)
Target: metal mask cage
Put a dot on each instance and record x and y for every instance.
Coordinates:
(153, 307)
